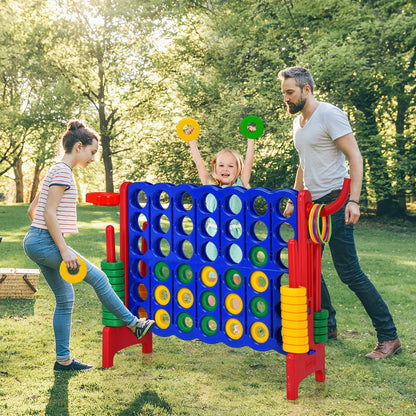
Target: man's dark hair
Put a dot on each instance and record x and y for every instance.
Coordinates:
(301, 75)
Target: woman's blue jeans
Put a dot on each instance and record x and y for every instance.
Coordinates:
(344, 257)
(40, 247)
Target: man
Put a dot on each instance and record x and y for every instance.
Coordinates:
(324, 139)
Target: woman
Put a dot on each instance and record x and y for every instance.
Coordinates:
(53, 214)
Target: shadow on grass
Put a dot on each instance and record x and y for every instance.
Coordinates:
(146, 399)
(58, 400)
(16, 307)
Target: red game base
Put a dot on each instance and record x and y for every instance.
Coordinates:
(299, 366)
(117, 338)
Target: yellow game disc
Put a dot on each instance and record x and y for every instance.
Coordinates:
(287, 307)
(185, 298)
(293, 300)
(234, 304)
(289, 332)
(234, 329)
(294, 316)
(293, 291)
(183, 135)
(295, 324)
(76, 276)
(162, 295)
(259, 332)
(209, 276)
(295, 340)
(298, 349)
(162, 319)
(259, 281)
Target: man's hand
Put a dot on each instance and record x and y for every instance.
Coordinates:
(352, 213)
(288, 210)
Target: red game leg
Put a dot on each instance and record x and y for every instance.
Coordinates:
(117, 338)
(299, 366)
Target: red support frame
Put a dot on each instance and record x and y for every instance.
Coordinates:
(305, 271)
(117, 338)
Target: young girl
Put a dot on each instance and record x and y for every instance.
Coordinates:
(53, 214)
(227, 167)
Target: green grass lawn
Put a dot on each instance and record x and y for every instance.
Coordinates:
(193, 378)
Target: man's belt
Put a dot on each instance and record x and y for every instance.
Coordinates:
(329, 197)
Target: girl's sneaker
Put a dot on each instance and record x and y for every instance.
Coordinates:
(76, 365)
(143, 326)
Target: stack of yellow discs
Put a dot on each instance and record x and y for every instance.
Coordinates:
(294, 319)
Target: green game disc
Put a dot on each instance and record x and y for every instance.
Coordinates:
(320, 338)
(258, 256)
(320, 330)
(259, 306)
(323, 314)
(112, 322)
(117, 265)
(162, 271)
(209, 300)
(233, 279)
(185, 322)
(116, 280)
(320, 323)
(209, 325)
(185, 273)
(114, 273)
(118, 288)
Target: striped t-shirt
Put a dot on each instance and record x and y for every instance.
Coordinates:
(61, 175)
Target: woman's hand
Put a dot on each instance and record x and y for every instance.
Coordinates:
(70, 259)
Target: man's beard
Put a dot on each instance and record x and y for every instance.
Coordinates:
(293, 108)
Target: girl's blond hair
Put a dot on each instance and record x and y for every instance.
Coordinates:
(215, 180)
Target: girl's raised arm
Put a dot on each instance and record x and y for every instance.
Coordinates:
(199, 163)
(248, 164)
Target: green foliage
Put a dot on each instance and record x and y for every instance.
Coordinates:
(364, 59)
(133, 69)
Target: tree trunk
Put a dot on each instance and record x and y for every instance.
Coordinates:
(108, 163)
(18, 178)
(36, 181)
(403, 102)
(105, 128)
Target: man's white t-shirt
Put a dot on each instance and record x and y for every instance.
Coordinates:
(323, 164)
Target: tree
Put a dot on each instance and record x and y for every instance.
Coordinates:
(362, 54)
(11, 93)
(133, 69)
(33, 102)
(15, 96)
(106, 59)
(224, 61)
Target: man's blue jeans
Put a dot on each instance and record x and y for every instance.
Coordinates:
(344, 257)
(40, 247)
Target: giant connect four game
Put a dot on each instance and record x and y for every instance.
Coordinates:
(222, 264)
(205, 262)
